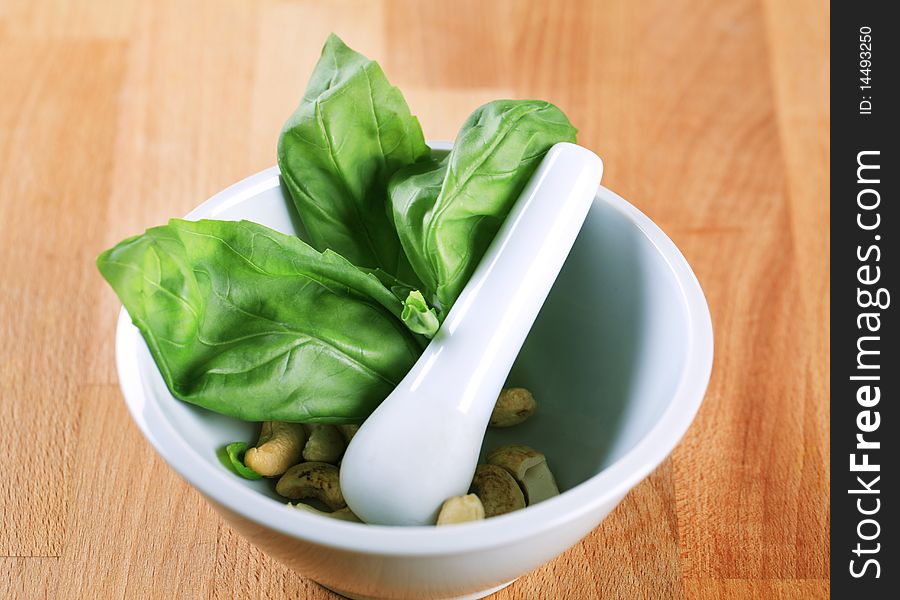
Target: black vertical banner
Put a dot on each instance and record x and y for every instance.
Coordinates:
(865, 370)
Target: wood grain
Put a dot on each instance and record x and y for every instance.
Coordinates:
(712, 117)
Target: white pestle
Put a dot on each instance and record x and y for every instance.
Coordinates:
(421, 445)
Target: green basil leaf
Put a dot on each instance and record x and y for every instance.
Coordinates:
(257, 325)
(399, 288)
(233, 459)
(350, 133)
(447, 212)
(418, 316)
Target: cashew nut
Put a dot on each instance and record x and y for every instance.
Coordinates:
(342, 514)
(317, 480)
(460, 509)
(530, 470)
(280, 445)
(514, 406)
(349, 431)
(497, 490)
(324, 444)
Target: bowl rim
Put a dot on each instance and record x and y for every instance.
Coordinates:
(607, 487)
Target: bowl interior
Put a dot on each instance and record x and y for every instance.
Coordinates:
(603, 359)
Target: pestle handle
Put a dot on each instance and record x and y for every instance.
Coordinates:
(421, 445)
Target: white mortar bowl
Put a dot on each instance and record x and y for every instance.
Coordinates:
(619, 359)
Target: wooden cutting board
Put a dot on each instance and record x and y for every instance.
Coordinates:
(711, 116)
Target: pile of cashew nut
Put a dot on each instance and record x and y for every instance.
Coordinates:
(306, 459)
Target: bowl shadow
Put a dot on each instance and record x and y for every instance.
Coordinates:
(581, 357)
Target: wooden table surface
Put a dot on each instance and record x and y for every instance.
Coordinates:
(711, 116)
